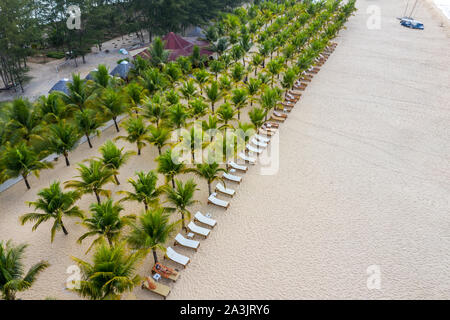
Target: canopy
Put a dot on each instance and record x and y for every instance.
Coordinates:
(61, 86)
(122, 70)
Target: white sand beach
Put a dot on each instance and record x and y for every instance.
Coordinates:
(364, 179)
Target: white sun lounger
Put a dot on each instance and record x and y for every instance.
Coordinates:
(258, 143)
(237, 166)
(176, 257)
(205, 220)
(218, 202)
(198, 230)
(261, 138)
(244, 157)
(188, 243)
(252, 149)
(232, 178)
(221, 188)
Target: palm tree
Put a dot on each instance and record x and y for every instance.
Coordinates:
(114, 158)
(52, 108)
(216, 67)
(185, 64)
(21, 161)
(101, 76)
(135, 93)
(153, 80)
(113, 105)
(274, 67)
(253, 87)
(172, 97)
(288, 79)
(198, 108)
(214, 94)
(257, 59)
(145, 190)
(237, 53)
(225, 84)
(55, 204)
(246, 44)
(137, 132)
(269, 99)
(264, 51)
(257, 116)
(209, 172)
(155, 109)
(201, 76)
(12, 276)
(152, 231)
(105, 223)
(81, 93)
(237, 73)
(210, 126)
(173, 72)
(24, 122)
(181, 197)
(178, 115)
(159, 137)
(220, 47)
(112, 273)
(158, 55)
(63, 139)
(93, 179)
(239, 99)
(188, 90)
(226, 114)
(88, 123)
(170, 166)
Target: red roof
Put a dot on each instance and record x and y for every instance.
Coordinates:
(179, 46)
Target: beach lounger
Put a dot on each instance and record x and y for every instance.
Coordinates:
(232, 178)
(275, 118)
(218, 202)
(269, 129)
(295, 94)
(253, 149)
(236, 166)
(258, 143)
(198, 230)
(246, 158)
(176, 257)
(155, 287)
(261, 138)
(226, 191)
(266, 132)
(270, 124)
(205, 220)
(280, 114)
(165, 272)
(188, 243)
(287, 106)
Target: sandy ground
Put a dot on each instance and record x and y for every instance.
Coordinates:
(363, 180)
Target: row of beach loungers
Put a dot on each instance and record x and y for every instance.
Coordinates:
(202, 225)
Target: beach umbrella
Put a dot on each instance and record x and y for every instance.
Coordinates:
(90, 76)
(61, 86)
(122, 70)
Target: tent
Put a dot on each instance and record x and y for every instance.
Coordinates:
(61, 86)
(90, 76)
(122, 70)
(197, 32)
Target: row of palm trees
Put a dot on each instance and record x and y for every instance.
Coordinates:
(149, 231)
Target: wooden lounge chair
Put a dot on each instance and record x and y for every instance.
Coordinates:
(236, 166)
(258, 143)
(176, 257)
(155, 287)
(253, 149)
(266, 132)
(205, 220)
(232, 178)
(226, 191)
(198, 230)
(294, 94)
(165, 272)
(218, 202)
(280, 114)
(279, 119)
(288, 105)
(270, 124)
(246, 158)
(187, 243)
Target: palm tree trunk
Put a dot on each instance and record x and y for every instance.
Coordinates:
(97, 196)
(26, 181)
(89, 140)
(115, 123)
(212, 107)
(182, 221)
(139, 151)
(159, 150)
(66, 156)
(117, 179)
(173, 182)
(155, 256)
(145, 205)
(64, 229)
(109, 241)
(209, 188)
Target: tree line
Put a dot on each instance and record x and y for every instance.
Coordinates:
(31, 26)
